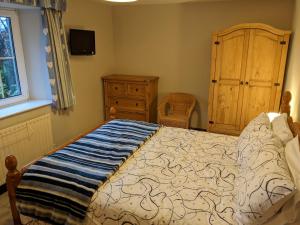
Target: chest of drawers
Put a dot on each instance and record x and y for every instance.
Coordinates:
(134, 97)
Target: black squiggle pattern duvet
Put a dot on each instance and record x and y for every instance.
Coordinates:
(178, 177)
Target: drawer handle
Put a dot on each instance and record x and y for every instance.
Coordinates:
(137, 90)
(136, 104)
(116, 88)
(117, 102)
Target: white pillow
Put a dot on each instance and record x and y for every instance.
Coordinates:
(256, 130)
(292, 155)
(281, 128)
(259, 123)
(289, 214)
(272, 115)
(264, 183)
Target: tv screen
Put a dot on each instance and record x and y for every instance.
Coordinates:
(82, 42)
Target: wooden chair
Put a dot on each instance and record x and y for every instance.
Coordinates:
(175, 110)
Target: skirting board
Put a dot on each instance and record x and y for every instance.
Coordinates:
(199, 129)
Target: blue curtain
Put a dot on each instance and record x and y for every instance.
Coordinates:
(57, 59)
(59, 5)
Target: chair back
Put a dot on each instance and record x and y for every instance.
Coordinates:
(179, 103)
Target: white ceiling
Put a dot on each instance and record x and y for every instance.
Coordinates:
(160, 1)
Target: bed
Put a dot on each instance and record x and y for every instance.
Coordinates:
(178, 176)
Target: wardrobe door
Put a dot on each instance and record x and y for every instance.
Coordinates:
(228, 71)
(264, 70)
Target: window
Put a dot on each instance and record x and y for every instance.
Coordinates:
(13, 81)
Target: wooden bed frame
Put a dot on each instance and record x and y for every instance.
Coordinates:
(14, 176)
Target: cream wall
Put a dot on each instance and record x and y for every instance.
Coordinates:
(293, 67)
(86, 70)
(173, 41)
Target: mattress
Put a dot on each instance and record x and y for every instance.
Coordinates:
(178, 177)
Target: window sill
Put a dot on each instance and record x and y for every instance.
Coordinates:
(23, 107)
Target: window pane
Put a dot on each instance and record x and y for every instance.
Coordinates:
(6, 44)
(9, 77)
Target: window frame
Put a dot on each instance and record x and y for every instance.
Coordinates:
(16, 33)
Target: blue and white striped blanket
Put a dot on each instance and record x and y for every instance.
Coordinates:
(58, 188)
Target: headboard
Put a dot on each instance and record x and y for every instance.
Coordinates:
(286, 108)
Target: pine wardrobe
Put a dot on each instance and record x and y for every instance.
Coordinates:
(247, 73)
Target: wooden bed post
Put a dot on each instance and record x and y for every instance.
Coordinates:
(112, 113)
(285, 103)
(12, 180)
(286, 108)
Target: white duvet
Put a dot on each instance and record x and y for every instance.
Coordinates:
(178, 177)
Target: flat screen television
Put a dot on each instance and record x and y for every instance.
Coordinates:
(82, 42)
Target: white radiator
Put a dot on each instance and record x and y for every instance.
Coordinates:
(27, 141)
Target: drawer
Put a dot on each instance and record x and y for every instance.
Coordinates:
(134, 89)
(131, 116)
(116, 89)
(128, 104)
